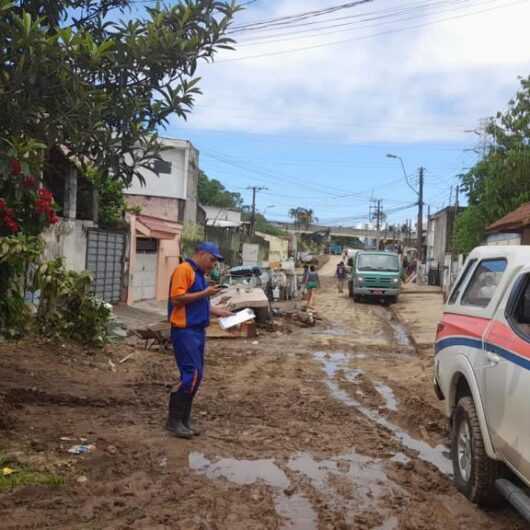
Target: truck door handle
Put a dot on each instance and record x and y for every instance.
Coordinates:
(493, 358)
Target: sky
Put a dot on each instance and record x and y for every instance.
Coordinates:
(311, 112)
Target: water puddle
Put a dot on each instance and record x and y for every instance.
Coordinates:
(387, 394)
(400, 458)
(295, 509)
(401, 335)
(240, 472)
(348, 483)
(334, 363)
(365, 478)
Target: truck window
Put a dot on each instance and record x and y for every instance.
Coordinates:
(462, 281)
(484, 282)
(519, 307)
(378, 262)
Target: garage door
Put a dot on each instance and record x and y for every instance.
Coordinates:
(145, 269)
(105, 260)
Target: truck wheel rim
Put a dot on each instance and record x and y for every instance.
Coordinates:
(464, 451)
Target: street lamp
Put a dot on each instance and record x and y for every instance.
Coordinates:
(389, 155)
(419, 193)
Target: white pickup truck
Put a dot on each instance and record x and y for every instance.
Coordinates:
(482, 372)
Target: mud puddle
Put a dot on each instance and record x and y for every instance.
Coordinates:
(295, 509)
(400, 334)
(391, 402)
(346, 483)
(335, 362)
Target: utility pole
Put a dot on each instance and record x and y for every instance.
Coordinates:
(376, 213)
(419, 237)
(457, 198)
(254, 189)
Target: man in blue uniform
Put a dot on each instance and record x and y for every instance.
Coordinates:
(189, 313)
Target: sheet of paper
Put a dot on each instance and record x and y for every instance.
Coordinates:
(238, 318)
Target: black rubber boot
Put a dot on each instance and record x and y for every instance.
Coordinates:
(187, 417)
(177, 409)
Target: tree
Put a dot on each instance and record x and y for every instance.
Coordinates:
(303, 216)
(500, 182)
(72, 74)
(213, 193)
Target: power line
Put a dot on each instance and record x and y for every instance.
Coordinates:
(369, 22)
(365, 37)
(298, 16)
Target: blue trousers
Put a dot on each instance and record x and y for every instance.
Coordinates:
(188, 345)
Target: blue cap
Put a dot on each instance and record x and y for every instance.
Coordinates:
(211, 248)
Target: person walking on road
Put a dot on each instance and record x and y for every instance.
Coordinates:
(312, 283)
(189, 314)
(341, 276)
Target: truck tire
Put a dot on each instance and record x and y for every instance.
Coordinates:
(474, 472)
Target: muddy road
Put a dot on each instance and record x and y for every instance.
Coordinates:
(331, 427)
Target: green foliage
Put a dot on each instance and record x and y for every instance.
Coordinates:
(262, 225)
(303, 216)
(111, 201)
(67, 308)
(500, 182)
(74, 73)
(18, 254)
(212, 193)
(25, 476)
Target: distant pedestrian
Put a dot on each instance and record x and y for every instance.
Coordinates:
(313, 283)
(341, 276)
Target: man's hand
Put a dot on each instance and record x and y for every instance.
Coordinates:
(221, 312)
(212, 290)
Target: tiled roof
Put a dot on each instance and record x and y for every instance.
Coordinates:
(515, 220)
(157, 224)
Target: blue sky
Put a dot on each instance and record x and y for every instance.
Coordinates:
(312, 116)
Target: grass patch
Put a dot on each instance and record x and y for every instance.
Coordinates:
(24, 476)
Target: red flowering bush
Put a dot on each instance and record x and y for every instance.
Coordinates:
(25, 206)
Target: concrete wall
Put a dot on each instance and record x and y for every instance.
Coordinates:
(214, 215)
(164, 207)
(68, 239)
(278, 247)
(503, 239)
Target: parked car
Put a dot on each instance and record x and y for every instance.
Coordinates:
(482, 372)
(375, 274)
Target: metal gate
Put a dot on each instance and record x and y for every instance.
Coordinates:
(104, 260)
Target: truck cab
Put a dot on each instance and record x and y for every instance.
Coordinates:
(482, 374)
(375, 274)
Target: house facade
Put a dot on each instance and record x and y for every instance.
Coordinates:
(512, 229)
(167, 202)
(222, 217)
(439, 245)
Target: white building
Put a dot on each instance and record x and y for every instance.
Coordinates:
(170, 192)
(223, 217)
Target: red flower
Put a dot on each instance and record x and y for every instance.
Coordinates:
(53, 219)
(12, 225)
(29, 182)
(2, 204)
(15, 167)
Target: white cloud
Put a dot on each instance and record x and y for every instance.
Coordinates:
(425, 84)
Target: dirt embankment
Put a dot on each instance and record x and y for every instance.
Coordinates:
(331, 427)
